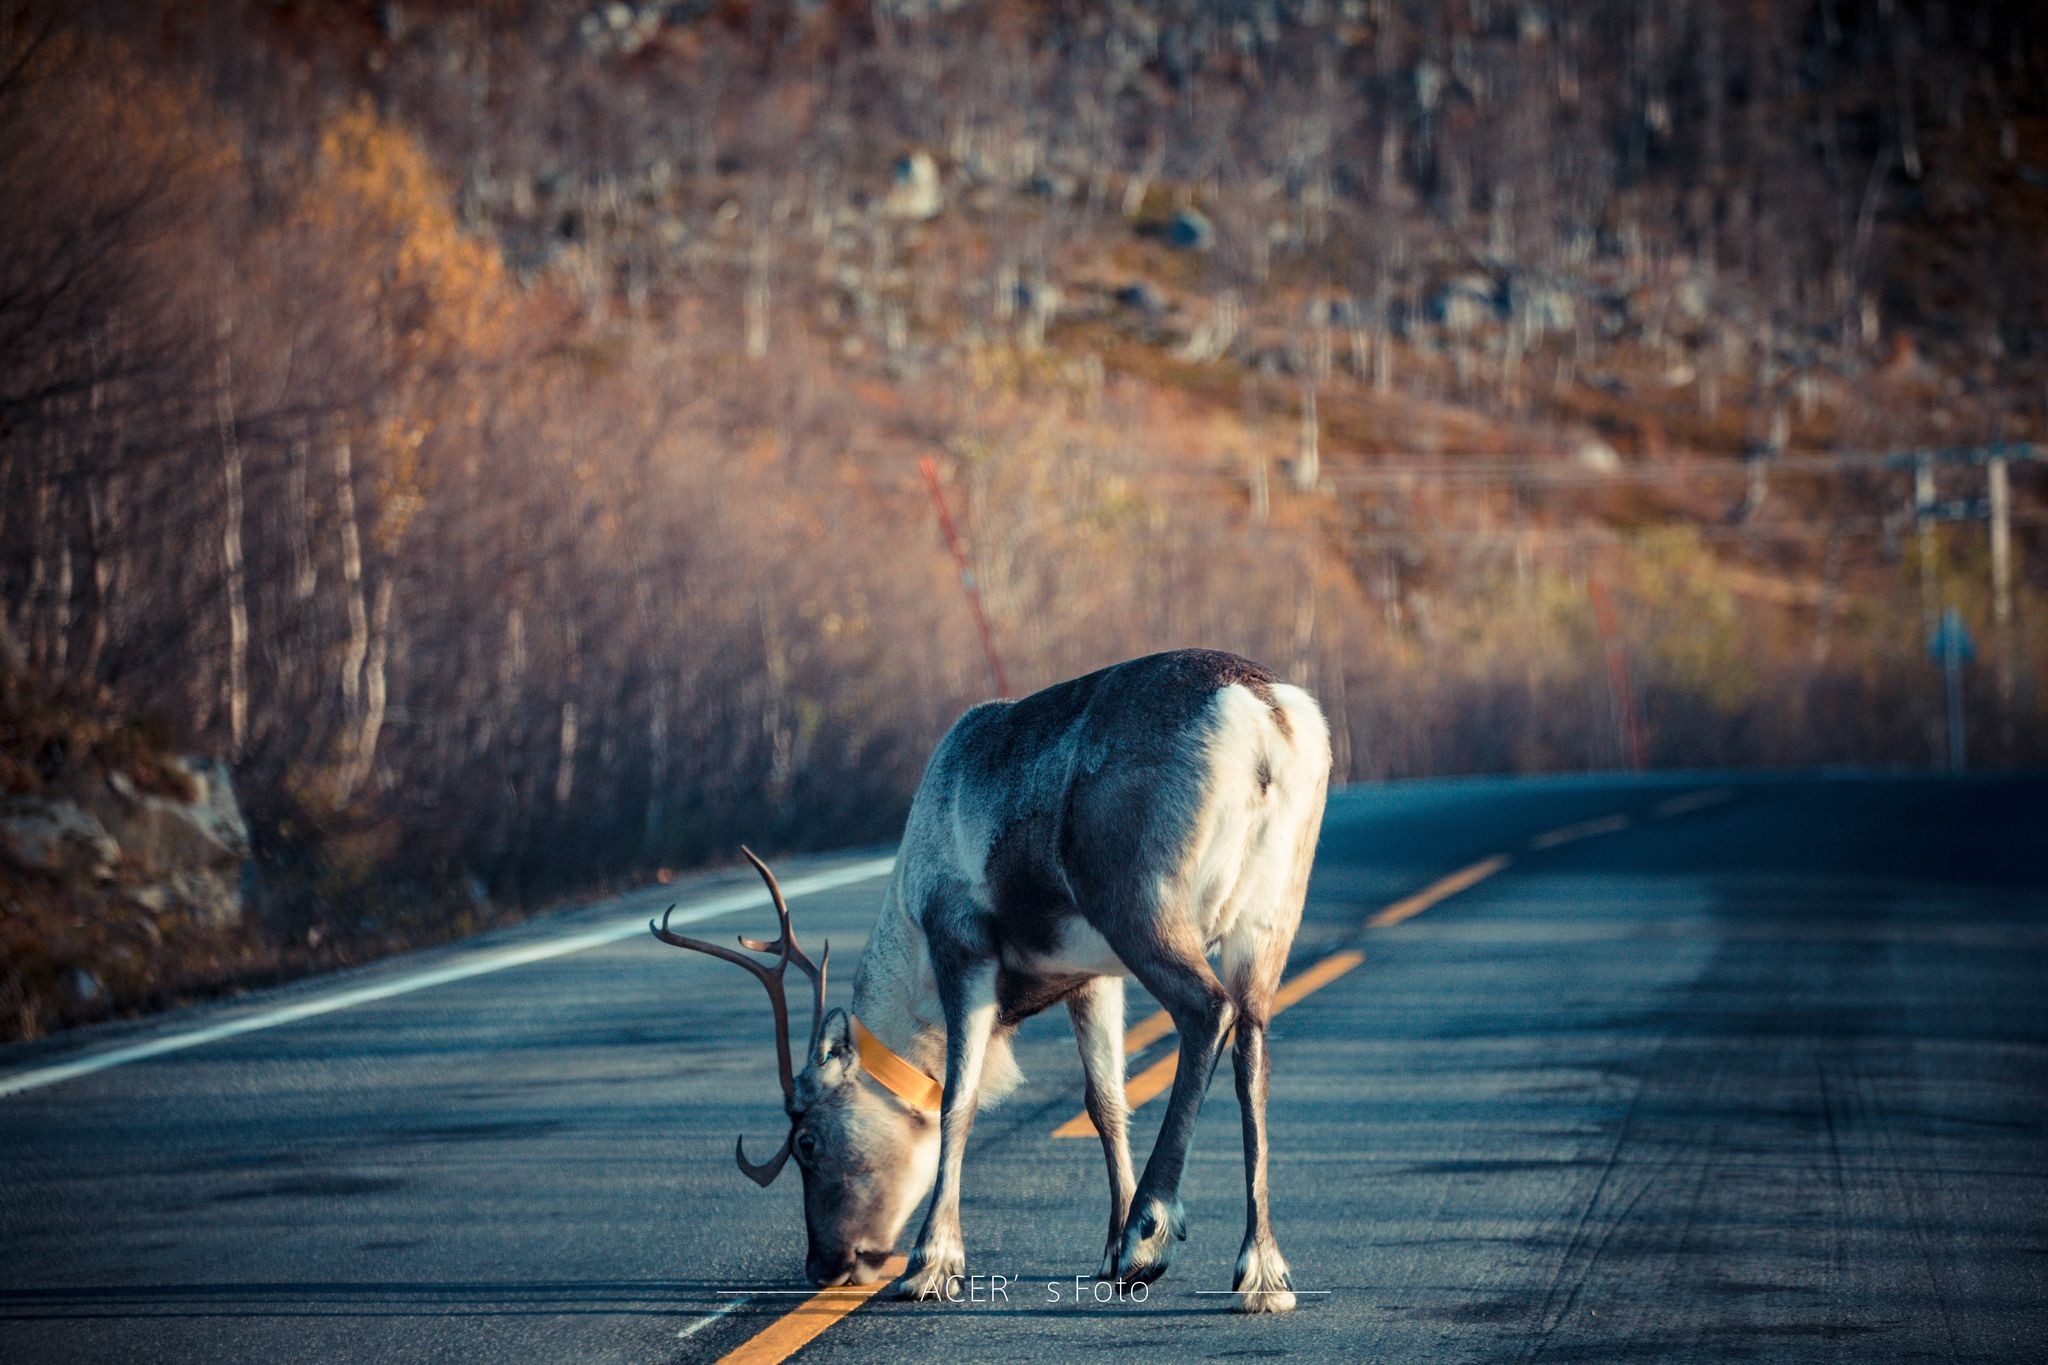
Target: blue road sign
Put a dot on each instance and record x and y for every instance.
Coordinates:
(1951, 639)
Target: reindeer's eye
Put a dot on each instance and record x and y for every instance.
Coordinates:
(806, 1145)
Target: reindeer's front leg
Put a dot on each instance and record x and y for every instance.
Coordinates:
(968, 994)
(1097, 1010)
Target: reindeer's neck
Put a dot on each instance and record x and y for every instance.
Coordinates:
(895, 995)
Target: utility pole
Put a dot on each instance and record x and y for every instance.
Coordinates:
(1923, 522)
(1995, 508)
(1999, 496)
(1924, 518)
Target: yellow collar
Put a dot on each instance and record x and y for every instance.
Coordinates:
(895, 1075)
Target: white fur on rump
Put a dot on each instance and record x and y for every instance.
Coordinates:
(1249, 873)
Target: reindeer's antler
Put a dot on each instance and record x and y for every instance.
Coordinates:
(785, 949)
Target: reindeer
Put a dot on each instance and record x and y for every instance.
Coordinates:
(1142, 821)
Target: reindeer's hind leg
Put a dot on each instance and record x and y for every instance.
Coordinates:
(1252, 964)
(1262, 1282)
(1097, 1010)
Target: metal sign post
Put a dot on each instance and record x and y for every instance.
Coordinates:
(1952, 645)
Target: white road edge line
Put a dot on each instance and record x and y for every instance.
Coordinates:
(723, 1311)
(1691, 801)
(481, 964)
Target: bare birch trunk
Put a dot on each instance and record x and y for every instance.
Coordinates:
(565, 774)
(60, 639)
(352, 577)
(375, 689)
(305, 573)
(231, 557)
(102, 522)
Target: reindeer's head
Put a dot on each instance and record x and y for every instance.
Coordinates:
(866, 1158)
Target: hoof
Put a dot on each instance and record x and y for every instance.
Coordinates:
(929, 1275)
(1110, 1247)
(1148, 1241)
(1263, 1284)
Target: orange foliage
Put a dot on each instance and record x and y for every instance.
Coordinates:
(442, 290)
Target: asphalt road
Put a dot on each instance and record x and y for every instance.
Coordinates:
(1757, 1072)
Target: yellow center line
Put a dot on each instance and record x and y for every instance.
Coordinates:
(1585, 829)
(1157, 1078)
(1137, 1038)
(1440, 890)
(800, 1326)
(1691, 801)
(1148, 1031)
(1158, 1024)
(1316, 977)
(797, 1328)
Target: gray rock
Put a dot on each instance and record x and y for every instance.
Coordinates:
(57, 838)
(1465, 304)
(1540, 308)
(1037, 306)
(1142, 296)
(1191, 231)
(618, 27)
(187, 855)
(1694, 299)
(1053, 185)
(1429, 84)
(1596, 455)
(1335, 312)
(1038, 299)
(152, 899)
(914, 189)
(162, 832)
(208, 896)
(85, 988)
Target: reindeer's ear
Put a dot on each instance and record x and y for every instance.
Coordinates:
(835, 1060)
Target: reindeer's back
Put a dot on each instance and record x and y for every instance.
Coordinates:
(1093, 789)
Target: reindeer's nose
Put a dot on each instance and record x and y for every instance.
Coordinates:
(825, 1274)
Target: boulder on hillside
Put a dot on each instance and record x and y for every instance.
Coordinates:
(1142, 296)
(186, 854)
(1465, 304)
(1596, 455)
(161, 852)
(56, 838)
(1190, 230)
(914, 190)
(1541, 308)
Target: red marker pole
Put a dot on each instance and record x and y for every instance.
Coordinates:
(930, 468)
(1617, 673)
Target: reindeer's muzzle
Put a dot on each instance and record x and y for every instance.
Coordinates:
(852, 1267)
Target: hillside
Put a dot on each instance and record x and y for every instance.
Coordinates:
(494, 430)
